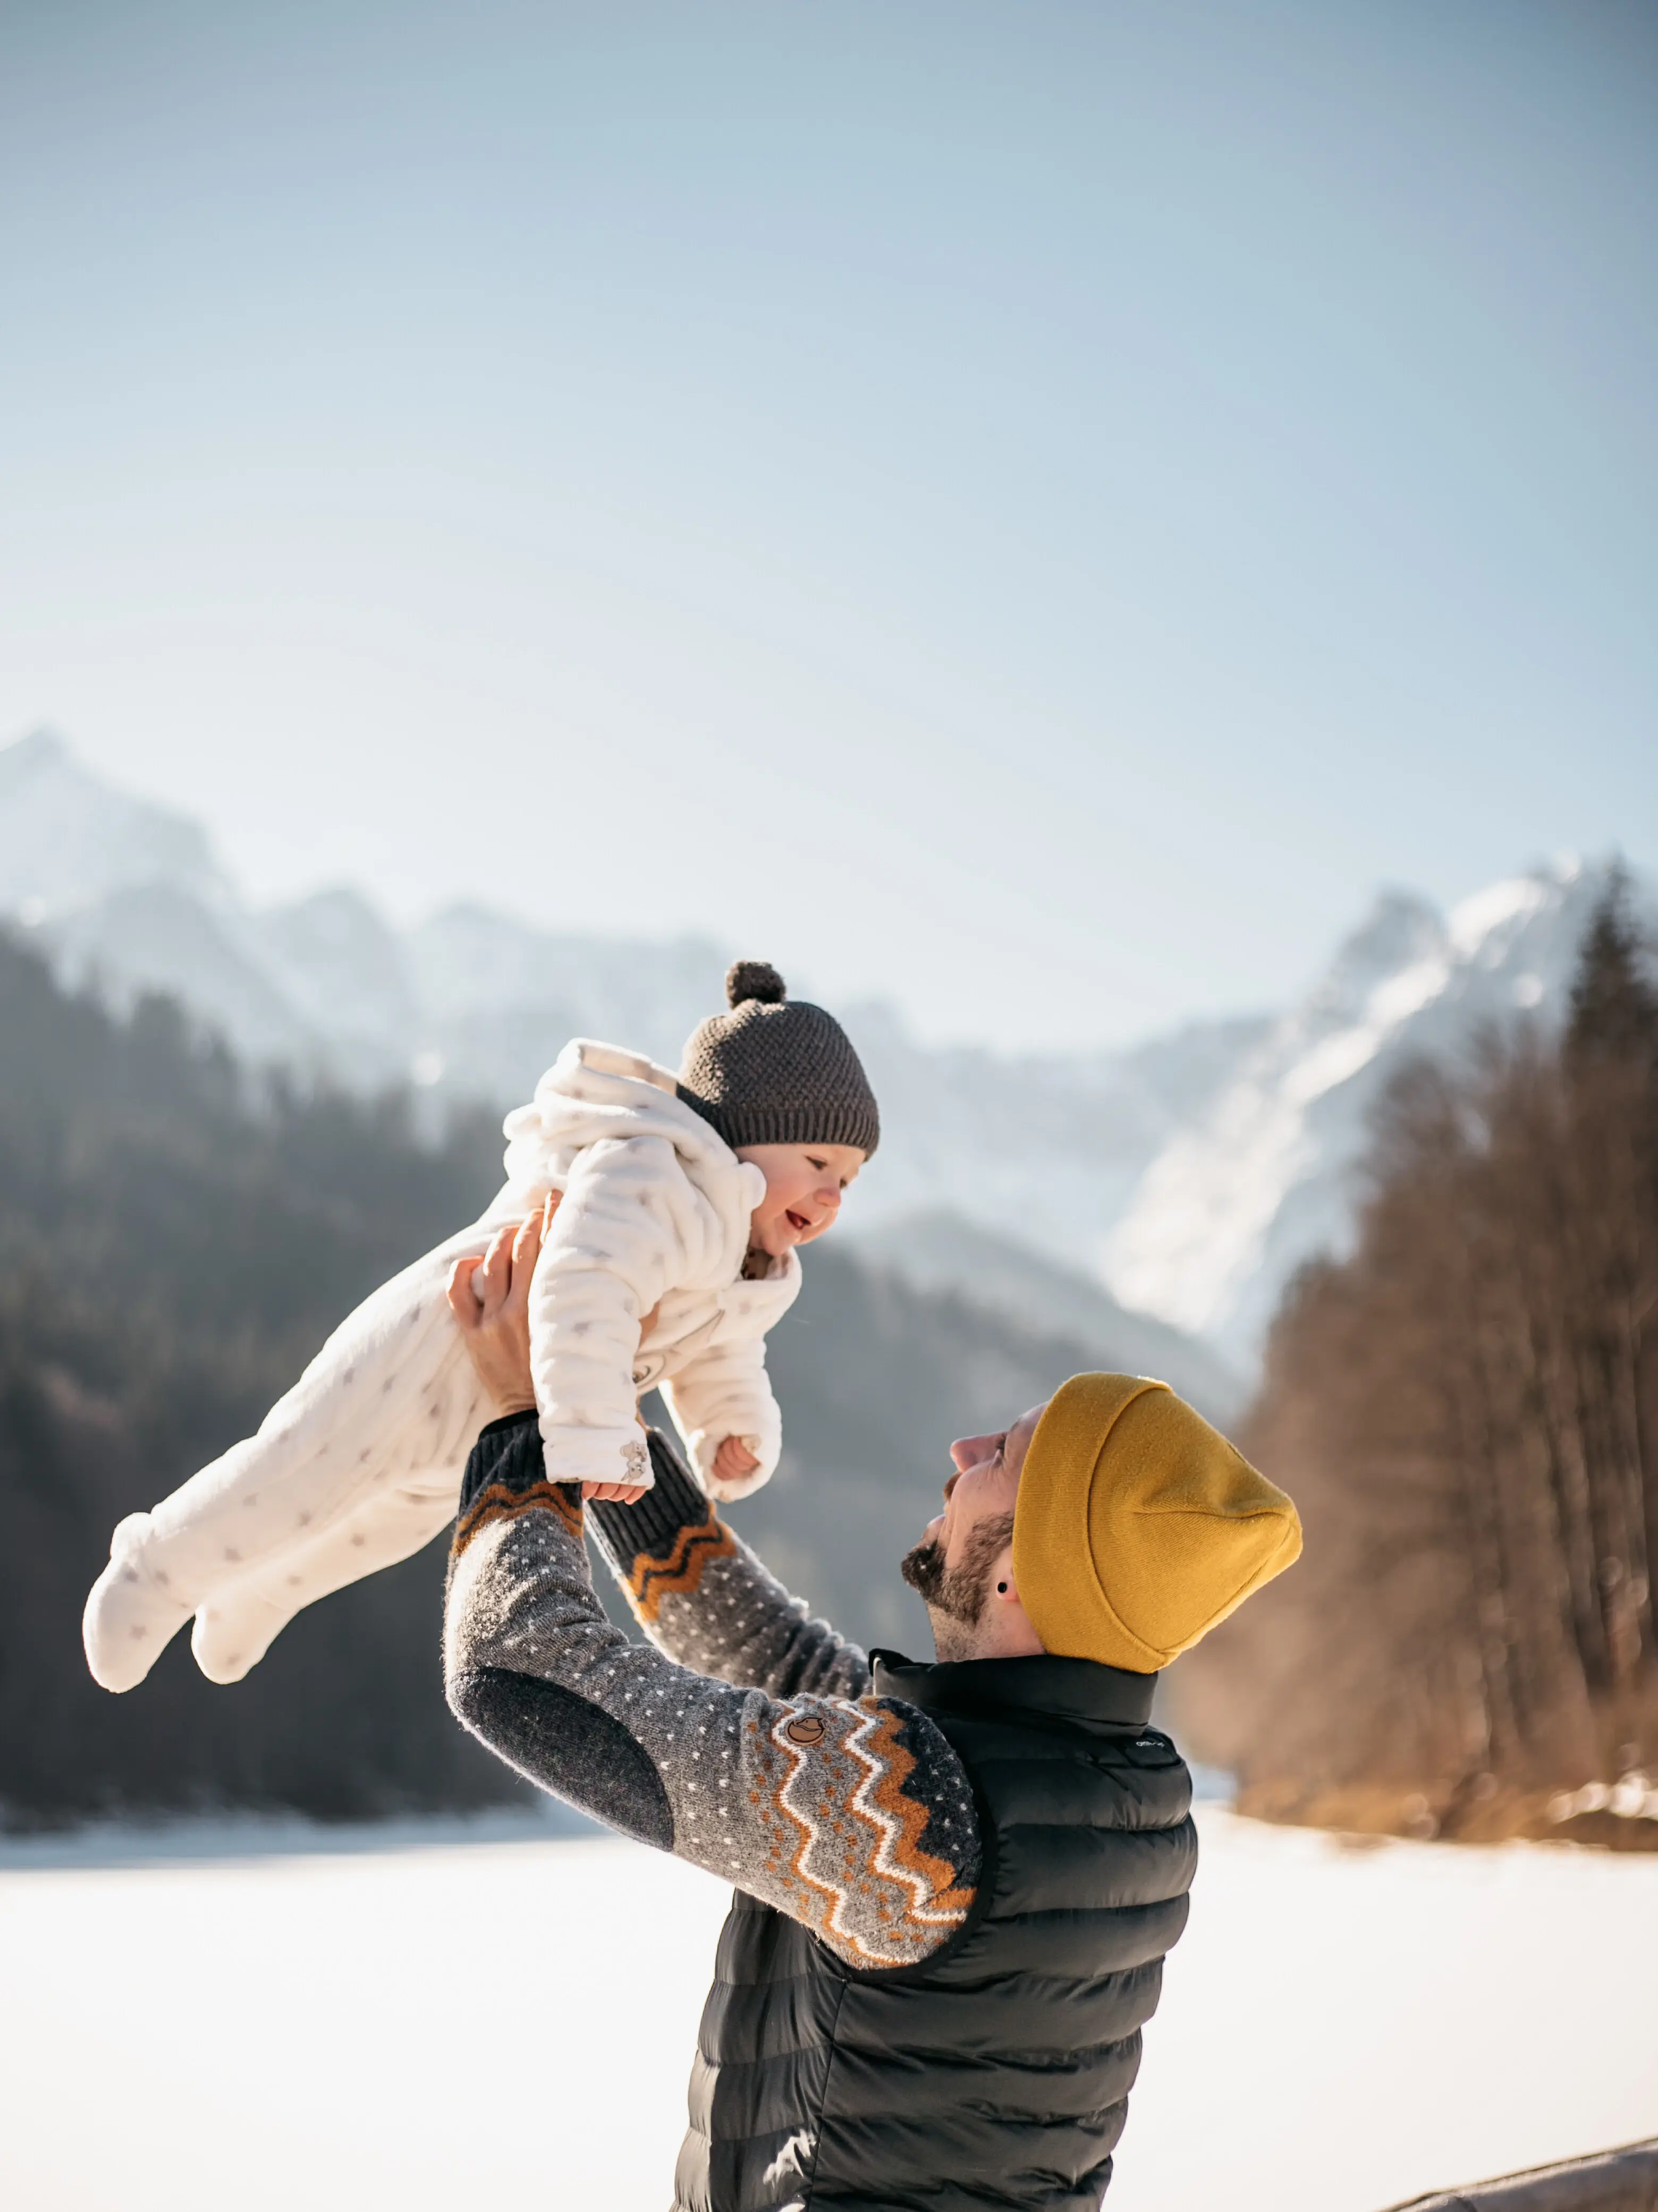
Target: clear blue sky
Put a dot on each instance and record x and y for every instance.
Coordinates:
(1037, 509)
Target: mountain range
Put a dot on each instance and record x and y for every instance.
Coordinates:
(1266, 1173)
(1164, 1192)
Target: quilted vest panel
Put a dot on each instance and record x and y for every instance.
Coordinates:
(997, 2073)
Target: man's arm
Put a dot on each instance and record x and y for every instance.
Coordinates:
(851, 1813)
(701, 1595)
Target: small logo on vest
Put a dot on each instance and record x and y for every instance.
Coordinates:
(805, 1728)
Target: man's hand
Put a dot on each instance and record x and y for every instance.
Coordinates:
(490, 1299)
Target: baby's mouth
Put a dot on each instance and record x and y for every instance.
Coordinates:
(798, 1222)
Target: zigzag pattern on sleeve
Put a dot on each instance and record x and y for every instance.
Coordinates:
(883, 1875)
(678, 1572)
(701, 1595)
(503, 1501)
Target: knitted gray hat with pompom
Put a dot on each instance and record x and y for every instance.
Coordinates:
(776, 1071)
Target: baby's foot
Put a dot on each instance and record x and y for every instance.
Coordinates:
(235, 1629)
(131, 1613)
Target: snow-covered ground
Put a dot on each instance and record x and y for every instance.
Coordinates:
(430, 2018)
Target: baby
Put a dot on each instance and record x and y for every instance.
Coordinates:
(672, 1254)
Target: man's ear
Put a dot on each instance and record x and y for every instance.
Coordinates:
(1002, 1588)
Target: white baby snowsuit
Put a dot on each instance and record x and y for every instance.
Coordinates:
(359, 1465)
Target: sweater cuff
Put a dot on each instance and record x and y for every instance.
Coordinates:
(502, 1422)
(675, 1501)
(508, 1451)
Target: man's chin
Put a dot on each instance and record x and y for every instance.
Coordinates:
(923, 1568)
(954, 1602)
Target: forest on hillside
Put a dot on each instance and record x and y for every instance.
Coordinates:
(1466, 1411)
(177, 1237)
(171, 1251)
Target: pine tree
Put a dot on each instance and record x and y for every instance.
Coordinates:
(1614, 1001)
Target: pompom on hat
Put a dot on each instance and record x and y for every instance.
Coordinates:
(777, 1071)
(1136, 1527)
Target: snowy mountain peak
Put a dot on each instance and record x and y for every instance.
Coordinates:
(1266, 1176)
(68, 839)
(1484, 928)
(1397, 958)
(38, 753)
(342, 966)
(1401, 929)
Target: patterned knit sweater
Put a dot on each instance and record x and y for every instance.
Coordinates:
(747, 1741)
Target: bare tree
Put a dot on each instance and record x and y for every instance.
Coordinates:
(1466, 1410)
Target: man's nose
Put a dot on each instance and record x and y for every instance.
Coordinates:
(967, 1451)
(952, 1484)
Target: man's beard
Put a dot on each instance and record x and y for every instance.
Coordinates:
(952, 1591)
(955, 1597)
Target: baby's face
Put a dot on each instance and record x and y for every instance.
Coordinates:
(804, 1183)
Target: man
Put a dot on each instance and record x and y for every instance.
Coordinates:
(955, 1883)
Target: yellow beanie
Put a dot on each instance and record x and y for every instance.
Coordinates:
(1137, 1526)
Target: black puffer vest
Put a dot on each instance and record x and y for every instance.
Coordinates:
(996, 2074)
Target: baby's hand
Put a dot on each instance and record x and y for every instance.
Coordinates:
(733, 1461)
(613, 1493)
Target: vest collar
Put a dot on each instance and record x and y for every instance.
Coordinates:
(1042, 1685)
